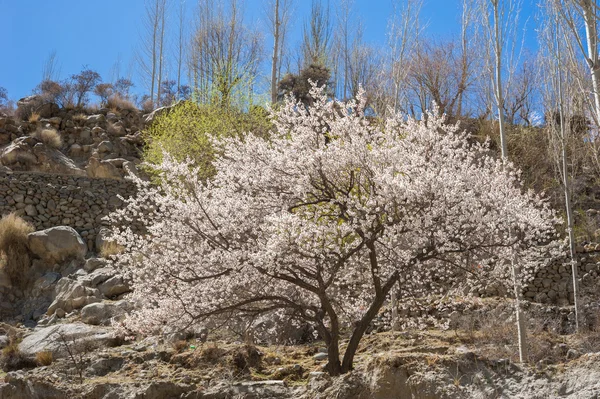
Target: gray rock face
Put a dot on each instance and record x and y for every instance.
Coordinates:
(103, 313)
(102, 367)
(73, 294)
(28, 154)
(114, 286)
(80, 337)
(94, 263)
(17, 386)
(57, 244)
(102, 169)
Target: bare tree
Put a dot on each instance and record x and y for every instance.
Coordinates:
(224, 55)
(316, 35)
(466, 59)
(499, 20)
(436, 76)
(152, 49)
(278, 14)
(181, 22)
(574, 14)
(558, 89)
(404, 30)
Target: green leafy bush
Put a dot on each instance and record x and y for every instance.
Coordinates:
(186, 130)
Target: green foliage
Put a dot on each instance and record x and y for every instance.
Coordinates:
(186, 131)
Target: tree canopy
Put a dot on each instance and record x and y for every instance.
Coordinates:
(320, 221)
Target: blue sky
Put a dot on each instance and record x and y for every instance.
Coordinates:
(104, 33)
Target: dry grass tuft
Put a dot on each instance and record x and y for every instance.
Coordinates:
(81, 118)
(111, 248)
(245, 357)
(44, 358)
(212, 353)
(34, 117)
(118, 103)
(180, 346)
(14, 248)
(13, 359)
(50, 137)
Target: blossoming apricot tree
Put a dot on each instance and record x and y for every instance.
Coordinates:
(320, 221)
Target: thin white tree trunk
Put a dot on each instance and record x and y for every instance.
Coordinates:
(589, 20)
(498, 78)
(275, 60)
(521, 328)
(566, 186)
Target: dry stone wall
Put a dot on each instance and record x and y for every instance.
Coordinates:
(48, 200)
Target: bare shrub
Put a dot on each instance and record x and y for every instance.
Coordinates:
(50, 137)
(14, 248)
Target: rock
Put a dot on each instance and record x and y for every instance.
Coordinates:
(28, 154)
(114, 286)
(102, 169)
(3, 341)
(105, 147)
(320, 356)
(57, 244)
(99, 276)
(17, 386)
(573, 354)
(80, 337)
(151, 117)
(94, 263)
(30, 210)
(101, 367)
(95, 119)
(102, 313)
(72, 294)
(48, 110)
(131, 170)
(45, 282)
(76, 150)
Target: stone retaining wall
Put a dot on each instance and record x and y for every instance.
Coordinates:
(48, 200)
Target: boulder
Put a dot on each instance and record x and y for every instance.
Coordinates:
(101, 367)
(48, 110)
(17, 386)
(103, 313)
(57, 244)
(72, 294)
(102, 169)
(131, 170)
(151, 117)
(80, 337)
(114, 286)
(94, 263)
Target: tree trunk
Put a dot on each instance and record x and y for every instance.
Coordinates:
(589, 19)
(363, 324)
(499, 94)
(521, 330)
(275, 60)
